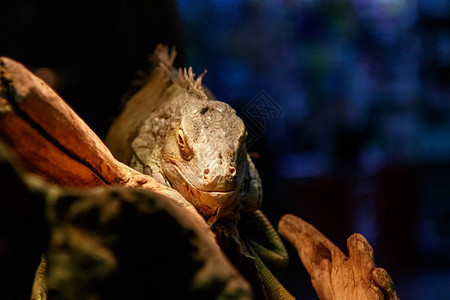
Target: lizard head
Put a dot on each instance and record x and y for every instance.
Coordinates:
(204, 157)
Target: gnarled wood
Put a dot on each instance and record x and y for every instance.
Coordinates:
(105, 243)
(51, 140)
(334, 275)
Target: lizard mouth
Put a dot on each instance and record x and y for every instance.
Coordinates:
(188, 184)
(211, 204)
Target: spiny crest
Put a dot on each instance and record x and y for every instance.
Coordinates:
(163, 58)
(184, 78)
(160, 57)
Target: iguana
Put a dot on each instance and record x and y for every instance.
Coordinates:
(172, 131)
(32, 110)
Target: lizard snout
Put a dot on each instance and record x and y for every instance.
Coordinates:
(231, 173)
(220, 177)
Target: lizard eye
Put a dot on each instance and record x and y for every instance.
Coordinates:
(184, 148)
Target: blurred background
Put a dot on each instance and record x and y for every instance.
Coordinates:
(347, 104)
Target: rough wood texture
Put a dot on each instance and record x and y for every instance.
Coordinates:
(105, 243)
(334, 275)
(108, 243)
(51, 140)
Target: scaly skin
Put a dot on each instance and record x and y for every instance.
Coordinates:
(197, 146)
(265, 245)
(188, 148)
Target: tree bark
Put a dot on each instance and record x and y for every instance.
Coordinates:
(49, 139)
(334, 275)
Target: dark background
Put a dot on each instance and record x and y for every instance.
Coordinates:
(347, 105)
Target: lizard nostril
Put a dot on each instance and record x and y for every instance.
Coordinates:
(205, 172)
(232, 171)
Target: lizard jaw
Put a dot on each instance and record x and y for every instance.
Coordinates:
(189, 182)
(212, 205)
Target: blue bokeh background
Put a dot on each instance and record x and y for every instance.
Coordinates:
(363, 141)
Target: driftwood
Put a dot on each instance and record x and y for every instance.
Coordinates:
(51, 140)
(104, 243)
(334, 275)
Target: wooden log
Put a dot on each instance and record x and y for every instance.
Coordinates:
(51, 140)
(127, 240)
(334, 275)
